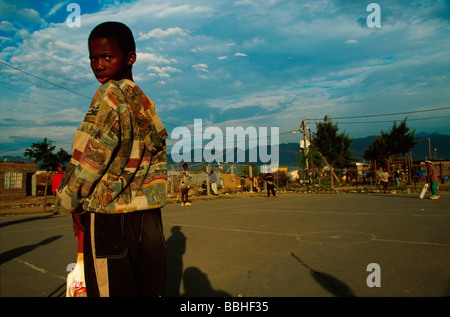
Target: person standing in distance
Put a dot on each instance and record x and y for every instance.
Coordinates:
(432, 179)
(184, 176)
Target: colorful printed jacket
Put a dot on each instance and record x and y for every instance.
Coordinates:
(184, 177)
(119, 160)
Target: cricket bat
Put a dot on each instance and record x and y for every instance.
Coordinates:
(424, 190)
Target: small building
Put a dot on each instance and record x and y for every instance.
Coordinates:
(16, 179)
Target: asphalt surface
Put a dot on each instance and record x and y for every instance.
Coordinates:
(295, 245)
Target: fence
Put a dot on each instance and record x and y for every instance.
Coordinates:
(409, 173)
(231, 178)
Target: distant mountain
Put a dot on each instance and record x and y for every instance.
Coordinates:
(426, 146)
(441, 142)
(14, 159)
(288, 151)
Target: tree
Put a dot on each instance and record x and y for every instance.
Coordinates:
(334, 146)
(398, 141)
(43, 156)
(376, 151)
(304, 158)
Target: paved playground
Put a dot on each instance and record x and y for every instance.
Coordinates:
(295, 245)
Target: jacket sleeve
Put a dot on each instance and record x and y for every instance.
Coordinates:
(93, 146)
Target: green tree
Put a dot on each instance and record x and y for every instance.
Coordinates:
(376, 151)
(304, 158)
(396, 142)
(334, 146)
(42, 154)
(400, 140)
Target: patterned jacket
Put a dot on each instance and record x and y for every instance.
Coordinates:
(184, 177)
(119, 160)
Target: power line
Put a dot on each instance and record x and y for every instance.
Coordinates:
(56, 85)
(384, 114)
(45, 80)
(56, 101)
(384, 121)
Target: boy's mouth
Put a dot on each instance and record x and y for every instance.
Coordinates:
(102, 79)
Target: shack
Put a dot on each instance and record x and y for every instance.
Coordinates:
(16, 179)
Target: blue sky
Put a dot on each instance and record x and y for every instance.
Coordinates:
(232, 63)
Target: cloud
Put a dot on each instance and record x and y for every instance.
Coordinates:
(7, 26)
(202, 67)
(351, 41)
(161, 34)
(162, 72)
(267, 63)
(56, 8)
(154, 58)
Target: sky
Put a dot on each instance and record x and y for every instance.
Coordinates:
(232, 63)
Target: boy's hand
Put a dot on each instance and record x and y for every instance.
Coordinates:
(77, 217)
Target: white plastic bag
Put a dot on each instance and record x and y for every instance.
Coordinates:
(76, 285)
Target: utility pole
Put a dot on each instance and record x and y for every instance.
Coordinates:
(429, 148)
(305, 148)
(312, 162)
(208, 186)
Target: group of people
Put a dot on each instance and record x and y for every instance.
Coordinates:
(184, 177)
(257, 183)
(431, 179)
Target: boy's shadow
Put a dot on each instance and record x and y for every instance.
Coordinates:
(176, 247)
(195, 282)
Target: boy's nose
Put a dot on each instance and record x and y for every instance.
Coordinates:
(98, 65)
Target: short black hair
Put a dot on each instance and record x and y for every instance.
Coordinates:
(117, 30)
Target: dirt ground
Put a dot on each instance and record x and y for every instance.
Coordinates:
(32, 205)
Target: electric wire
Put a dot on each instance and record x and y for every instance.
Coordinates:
(248, 140)
(44, 80)
(384, 114)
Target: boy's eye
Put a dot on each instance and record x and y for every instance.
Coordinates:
(108, 58)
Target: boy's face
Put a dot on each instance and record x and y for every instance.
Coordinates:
(108, 60)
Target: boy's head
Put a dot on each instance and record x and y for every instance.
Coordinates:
(112, 51)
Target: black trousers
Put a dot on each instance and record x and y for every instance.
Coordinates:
(125, 254)
(184, 195)
(270, 188)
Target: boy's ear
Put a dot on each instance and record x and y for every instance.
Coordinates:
(131, 58)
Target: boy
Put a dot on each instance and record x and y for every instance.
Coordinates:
(384, 175)
(270, 184)
(184, 176)
(115, 183)
(432, 179)
(55, 184)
